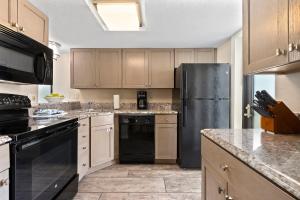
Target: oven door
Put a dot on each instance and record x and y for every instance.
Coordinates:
(42, 168)
(23, 59)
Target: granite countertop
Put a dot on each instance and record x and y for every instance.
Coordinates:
(4, 139)
(82, 114)
(274, 156)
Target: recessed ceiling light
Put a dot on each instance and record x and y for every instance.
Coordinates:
(120, 15)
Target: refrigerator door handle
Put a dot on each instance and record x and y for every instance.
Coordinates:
(184, 112)
(185, 82)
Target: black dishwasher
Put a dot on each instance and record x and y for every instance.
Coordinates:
(136, 142)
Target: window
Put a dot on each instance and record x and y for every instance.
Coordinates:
(43, 90)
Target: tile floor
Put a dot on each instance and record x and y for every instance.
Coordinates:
(141, 182)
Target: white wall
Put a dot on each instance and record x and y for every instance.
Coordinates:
(231, 52)
(29, 90)
(288, 90)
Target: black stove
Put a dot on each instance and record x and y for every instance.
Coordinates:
(43, 152)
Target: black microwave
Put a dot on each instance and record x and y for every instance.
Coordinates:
(23, 59)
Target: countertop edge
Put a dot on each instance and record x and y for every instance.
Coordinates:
(4, 139)
(255, 164)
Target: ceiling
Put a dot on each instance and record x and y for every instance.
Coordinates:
(169, 24)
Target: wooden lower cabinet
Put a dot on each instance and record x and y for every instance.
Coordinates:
(165, 138)
(4, 187)
(83, 147)
(4, 171)
(215, 186)
(102, 142)
(241, 182)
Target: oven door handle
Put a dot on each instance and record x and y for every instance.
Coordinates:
(23, 146)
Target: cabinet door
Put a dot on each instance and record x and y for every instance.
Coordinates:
(294, 30)
(8, 13)
(4, 189)
(213, 186)
(161, 68)
(109, 68)
(83, 71)
(265, 34)
(135, 68)
(184, 56)
(166, 141)
(205, 56)
(32, 22)
(101, 145)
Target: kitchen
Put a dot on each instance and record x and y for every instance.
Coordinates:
(160, 107)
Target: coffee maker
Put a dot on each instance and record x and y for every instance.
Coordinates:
(142, 100)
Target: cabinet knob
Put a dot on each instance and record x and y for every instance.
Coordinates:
(3, 182)
(280, 52)
(224, 167)
(21, 28)
(291, 47)
(83, 136)
(15, 24)
(83, 148)
(221, 190)
(227, 197)
(83, 164)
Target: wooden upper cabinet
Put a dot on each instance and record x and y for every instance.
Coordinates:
(294, 30)
(205, 56)
(161, 68)
(265, 34)
(32, 22)
(8, 13)
(83, 70)
(135, 68)
(184, 56)
(109, 68)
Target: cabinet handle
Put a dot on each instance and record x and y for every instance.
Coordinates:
(83, 136)
(224, 167)
(83, 164)
(21, 28)
(291, 47)
(220, 190)
(83, 148)
(227, 197)
(15, 24)
(3, 182)
(280, 52)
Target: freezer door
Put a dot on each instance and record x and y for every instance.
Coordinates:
(198, 115)
(205, 81)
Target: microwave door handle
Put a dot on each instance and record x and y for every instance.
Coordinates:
(27, 145)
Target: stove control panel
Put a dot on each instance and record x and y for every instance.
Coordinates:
(13, 101)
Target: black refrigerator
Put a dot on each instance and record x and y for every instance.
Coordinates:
(202, 98)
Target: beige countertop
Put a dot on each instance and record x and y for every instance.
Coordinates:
(4, 139)
(274, 156)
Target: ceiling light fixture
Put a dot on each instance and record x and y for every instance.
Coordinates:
(120, 15)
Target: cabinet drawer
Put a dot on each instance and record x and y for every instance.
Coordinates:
(4, 189)
(83, 164)
(243, 182)
(166, 119)
(102, 120)
(215, 156)
(4, 155)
